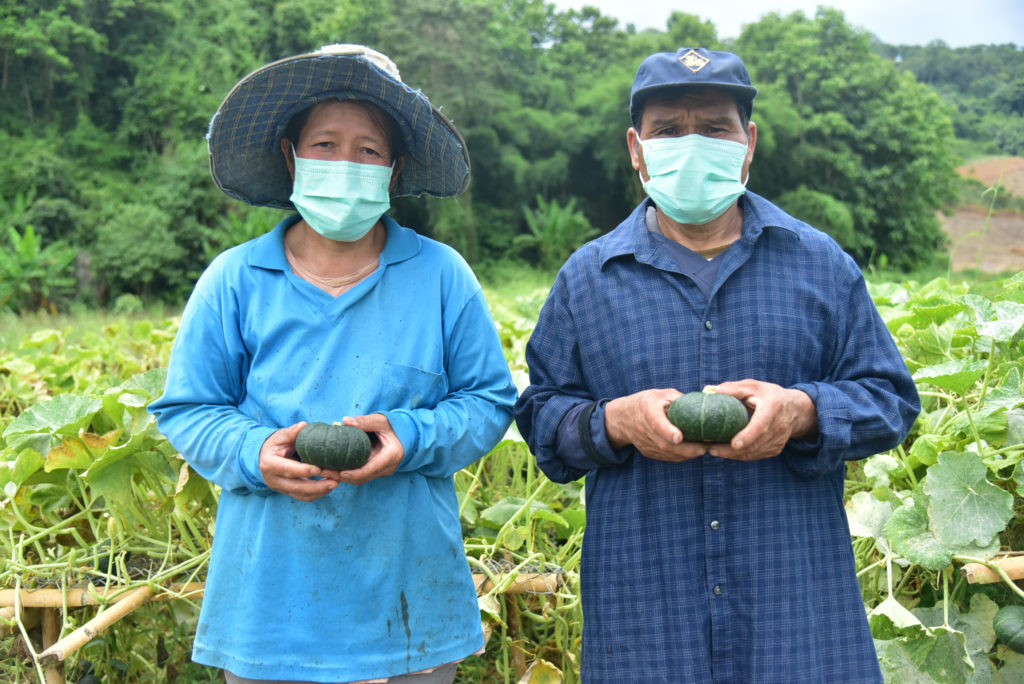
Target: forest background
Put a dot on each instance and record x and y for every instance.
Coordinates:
(104, 107)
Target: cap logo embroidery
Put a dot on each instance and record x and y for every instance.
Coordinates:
(694, 61)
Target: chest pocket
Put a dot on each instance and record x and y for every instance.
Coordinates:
(411, 387)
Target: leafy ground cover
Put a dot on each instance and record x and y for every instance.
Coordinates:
(91, 495)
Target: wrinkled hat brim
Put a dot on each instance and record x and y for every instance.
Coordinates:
(245, 157)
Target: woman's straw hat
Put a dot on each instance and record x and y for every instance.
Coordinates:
(245, 156)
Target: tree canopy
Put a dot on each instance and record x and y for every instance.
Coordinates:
(104, 108)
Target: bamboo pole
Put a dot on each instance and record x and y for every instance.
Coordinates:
(525, 583)
(7, 613)
(980, 573)
(53, 671)
(84, 596)
(29, 619)
(93, 628)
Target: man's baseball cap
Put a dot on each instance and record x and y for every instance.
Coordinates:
(691, 67)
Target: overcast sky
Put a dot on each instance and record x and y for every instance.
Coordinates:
(897, 22)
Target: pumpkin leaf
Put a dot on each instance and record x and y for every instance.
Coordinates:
(936, 655)
(1007, 395)
(1015, 427)
(965, 508)
(867, 516)
(1009, 321)
(910, 537)
(956, 376)
(65, 414)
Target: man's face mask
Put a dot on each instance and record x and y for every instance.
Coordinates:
(340, 200)
(693, 178)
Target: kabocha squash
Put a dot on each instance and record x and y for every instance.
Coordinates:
(1009, 627)
(337, 446)
(707, 416)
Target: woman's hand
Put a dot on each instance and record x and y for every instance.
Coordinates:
(385, 457)
(286, 475)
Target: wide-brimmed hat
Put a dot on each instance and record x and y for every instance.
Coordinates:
(245, 154)
(691, 67)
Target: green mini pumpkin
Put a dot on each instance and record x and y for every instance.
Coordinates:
(337, 446)
(1009, 627)
(707, 416)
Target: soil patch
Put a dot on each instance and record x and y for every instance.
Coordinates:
(995, 243)
(1001, 241)
(1006, 171)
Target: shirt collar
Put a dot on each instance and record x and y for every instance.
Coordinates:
(633, 238)
(268, 250)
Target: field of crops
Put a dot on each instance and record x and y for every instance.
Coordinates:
(95, 504)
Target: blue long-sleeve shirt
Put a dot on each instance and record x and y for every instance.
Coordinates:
(370, 580)
(715, 570)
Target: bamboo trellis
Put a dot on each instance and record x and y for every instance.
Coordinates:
(44, 606)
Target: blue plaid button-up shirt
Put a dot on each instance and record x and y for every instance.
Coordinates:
(715, 570)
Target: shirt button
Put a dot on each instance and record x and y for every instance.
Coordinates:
(707, 324)
(718, 590)
(715, 525)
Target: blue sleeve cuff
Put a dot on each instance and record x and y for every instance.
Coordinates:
(825, 453)
(408, 434)
(249, 457)
(582, 440)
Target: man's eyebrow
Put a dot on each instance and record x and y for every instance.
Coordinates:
(714, 119)
(664, 120)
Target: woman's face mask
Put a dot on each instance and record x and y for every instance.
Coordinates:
(341, 200)
(693, 178)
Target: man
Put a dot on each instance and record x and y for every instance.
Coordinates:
(721, 562)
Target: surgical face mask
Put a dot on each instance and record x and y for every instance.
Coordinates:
(693, 178)
(340, 200)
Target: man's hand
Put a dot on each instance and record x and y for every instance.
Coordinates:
(287, 475)
(780, 414)
(639, 419)
(385, 457)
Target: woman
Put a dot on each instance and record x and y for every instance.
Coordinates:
(337, 314)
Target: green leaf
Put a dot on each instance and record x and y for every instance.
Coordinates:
(956, 376)
(1015, 427)
(878, 467)
(148, 384)
(65, 414)
(867, 516)
(890, 618)
(550, 516)
(500, 513)
(980, 308)
(910, 537)
(924, 654)
(976, 625)
(14, 472)
(965, 508)
(1011, 670)
(1006, 396)
(926, 449)
(1009, 321)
